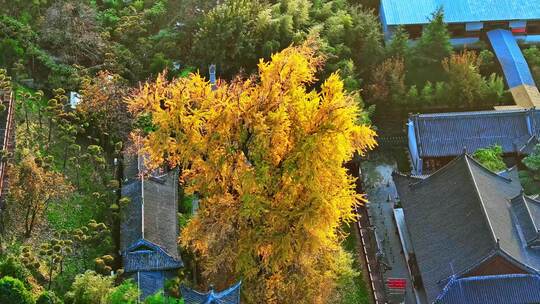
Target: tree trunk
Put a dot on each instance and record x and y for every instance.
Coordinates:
(77, 168)
(39, 120)
(26, 119)
(50, 134)
(27, 223)
(65, 159)
(51, 267)
(32, 222)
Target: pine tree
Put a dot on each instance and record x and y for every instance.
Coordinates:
(399, 45)
(434, 45)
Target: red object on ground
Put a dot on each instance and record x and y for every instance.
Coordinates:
(393, 283)
(520, 30)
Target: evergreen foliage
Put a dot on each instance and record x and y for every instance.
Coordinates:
(434, 44)
(491, 158)
(13, 291)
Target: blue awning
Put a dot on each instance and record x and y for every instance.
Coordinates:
(515, 67)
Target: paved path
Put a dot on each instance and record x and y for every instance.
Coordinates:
(382, 194)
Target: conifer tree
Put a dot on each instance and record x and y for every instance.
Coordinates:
(398, 46)
(434, 45)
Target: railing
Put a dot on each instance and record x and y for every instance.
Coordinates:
(7, 137)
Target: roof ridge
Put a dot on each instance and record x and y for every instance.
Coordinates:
(471, 113)
(524, 199)
(506, 275)
(453, 162)
(143, 240)
(517, 262)
(495, 251)
(480, 200)
(438, 171)
(530, 214)
(486, 257)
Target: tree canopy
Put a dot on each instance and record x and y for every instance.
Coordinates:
(266, 156)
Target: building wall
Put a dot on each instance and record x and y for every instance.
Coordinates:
(470, 33)
(495, 266)
(432, 164)
(413, 148)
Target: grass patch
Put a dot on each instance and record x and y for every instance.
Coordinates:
(72, 213)
(353, 290)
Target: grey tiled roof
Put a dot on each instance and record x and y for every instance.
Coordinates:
(147, 256)
(151, 217)
(458, 217)
(527, 214)
(496, 289)
(448, 134)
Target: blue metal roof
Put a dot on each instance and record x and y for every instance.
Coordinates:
(515, 67)
(496, 289)
(398, 12)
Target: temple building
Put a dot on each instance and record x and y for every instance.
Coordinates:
(468, 20)
(436, 139)
(149, 227)
(470, 235)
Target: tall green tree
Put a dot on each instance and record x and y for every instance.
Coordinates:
(32, 189)
(434, 45)
(399, 45)
(227, 38)
(532, 55)
(466, 87)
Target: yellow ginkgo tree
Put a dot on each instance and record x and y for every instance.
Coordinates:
(265, 155)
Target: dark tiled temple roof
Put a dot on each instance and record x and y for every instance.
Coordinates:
(527, 213)
(496, 289)
(460, 216)
(150, 218)
(147, 256)
(448, 134)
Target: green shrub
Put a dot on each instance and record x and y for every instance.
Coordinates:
(89, 288)
(491, 158)
(48, 297)
(125, 293)
(159, 298)
(13, 291)
(15, 269)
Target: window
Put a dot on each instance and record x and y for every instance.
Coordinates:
(533, 27)
(142, 249)
(457, 30)
(415, 31)
(488, 26)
